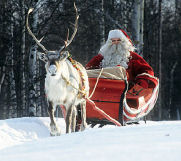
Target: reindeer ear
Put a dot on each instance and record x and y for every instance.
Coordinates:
(42, 56)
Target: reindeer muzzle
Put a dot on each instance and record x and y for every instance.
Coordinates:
(52, 70)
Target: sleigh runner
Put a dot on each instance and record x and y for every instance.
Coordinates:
(113, 97)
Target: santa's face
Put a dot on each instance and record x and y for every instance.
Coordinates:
(115, 41)
(115, 48)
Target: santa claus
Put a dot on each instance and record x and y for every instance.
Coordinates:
(119, 51)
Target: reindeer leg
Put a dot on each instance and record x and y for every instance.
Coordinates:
(73, 125)
(68, 119)
(78, 117)
(54, 130)
(83, 115)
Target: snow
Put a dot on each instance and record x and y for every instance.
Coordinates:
(28, 139)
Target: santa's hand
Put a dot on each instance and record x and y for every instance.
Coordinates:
(142, 82)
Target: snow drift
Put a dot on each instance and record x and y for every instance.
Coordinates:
(28, 139)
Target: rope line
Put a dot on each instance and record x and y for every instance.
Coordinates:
(96, 83)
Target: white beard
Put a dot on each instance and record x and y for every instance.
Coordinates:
(116, 54)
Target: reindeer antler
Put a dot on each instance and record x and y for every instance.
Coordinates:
(67, 42)
(30, 32)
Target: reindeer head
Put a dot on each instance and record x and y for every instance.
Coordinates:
(53, 59)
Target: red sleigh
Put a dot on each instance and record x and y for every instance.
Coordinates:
(112, 96)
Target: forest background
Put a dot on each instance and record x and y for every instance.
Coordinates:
(153, 25)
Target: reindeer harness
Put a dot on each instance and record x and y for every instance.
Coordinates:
(82, 83)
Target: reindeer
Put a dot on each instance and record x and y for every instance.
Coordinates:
(66, 82)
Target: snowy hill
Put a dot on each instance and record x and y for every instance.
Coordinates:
(27, 139)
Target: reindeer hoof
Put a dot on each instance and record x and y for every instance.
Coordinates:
(55, 134)
(83, 127)
(54, 130)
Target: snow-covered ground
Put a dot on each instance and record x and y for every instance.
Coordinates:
(27, 139)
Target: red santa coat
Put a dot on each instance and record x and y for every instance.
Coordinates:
(138, 71)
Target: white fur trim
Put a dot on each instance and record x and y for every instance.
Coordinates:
(116, 34)
(146, 74)
(151, 102)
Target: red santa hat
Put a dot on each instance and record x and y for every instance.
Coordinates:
(118, 34)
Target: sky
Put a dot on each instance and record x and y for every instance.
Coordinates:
(28, 139)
